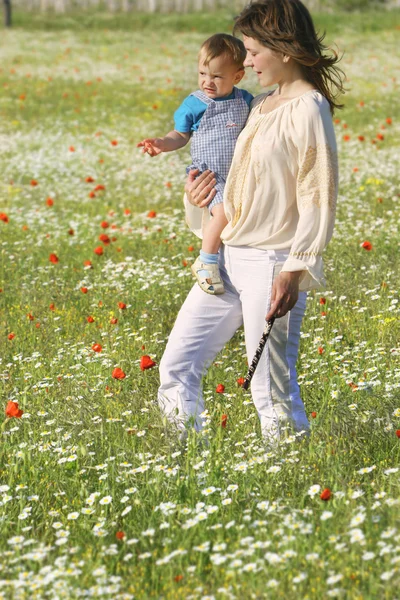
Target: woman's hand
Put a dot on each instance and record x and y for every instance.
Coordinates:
(285, 292)
(200, 191)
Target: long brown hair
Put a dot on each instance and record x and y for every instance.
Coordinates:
(286, 26)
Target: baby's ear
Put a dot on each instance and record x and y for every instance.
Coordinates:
(239, 75)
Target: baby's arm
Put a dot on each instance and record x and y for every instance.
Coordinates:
(170, 142)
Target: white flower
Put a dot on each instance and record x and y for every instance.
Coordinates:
(72, 516)
(106, 500)
(4, 488)
(149, 532)
(327, 514)
(232, 487)
(390, 471)
(299, 578)
(387, 575)
(18, 539)
(219, 547)
(334, 579)
(356, 494)
(272, 583)
(356, 535)
(218, 559)
(368, 556)
(312, 556)
(366, 470)
(126, 510)
(57, 525)
(209, 490)
(274, 469)
(357, 520)
(226, 501)
(314, 489)
(264, 505)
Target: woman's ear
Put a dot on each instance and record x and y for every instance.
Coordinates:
(239, 76)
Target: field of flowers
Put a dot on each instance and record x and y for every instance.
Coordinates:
(98, 498)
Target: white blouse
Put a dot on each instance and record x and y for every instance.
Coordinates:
(282, 186)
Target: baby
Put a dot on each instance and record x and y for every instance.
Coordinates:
(213, 117)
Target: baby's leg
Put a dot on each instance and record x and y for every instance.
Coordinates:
(205, 268)
(212, 231)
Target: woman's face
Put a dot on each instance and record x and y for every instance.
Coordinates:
(267, 63)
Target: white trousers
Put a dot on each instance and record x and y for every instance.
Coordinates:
(204, 325)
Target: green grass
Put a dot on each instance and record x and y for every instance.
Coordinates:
(367, 21)
(65, 95)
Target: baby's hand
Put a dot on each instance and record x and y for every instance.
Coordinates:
(152, 146)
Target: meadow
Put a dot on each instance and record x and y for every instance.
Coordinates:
(98, 498)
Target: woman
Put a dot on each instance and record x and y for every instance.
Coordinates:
(279, 200)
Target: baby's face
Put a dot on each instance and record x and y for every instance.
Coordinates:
(217, 78)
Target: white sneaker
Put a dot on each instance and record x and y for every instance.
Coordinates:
(211, 282)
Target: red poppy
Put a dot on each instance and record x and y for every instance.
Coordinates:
(323, 314)
(322, 300)
(92, 195)
(346, 138)
(89, 180)
(320, 350)
(361, 138)
(326, 494)
(178, 578)
(71, 232)
(103, 237)
(12, 410)
(122, 305)
(224, 420)
(240, 380)
(184, 263)
(118, 373)
(389, 121)
(90, 319)
(146, 362)
(87, 263)
(168, 184)
(50, 202)
(120, 535)
(52, 306)
(53, 258)
(104, 224)
(4, 217)
(34, 183)
(113, 321)
(114, 143)
(380, 136)
(97, 347)
(151, 214)
(190, 248)
(99, 250)
(71, 149)
(84, 290)
(220, 388)
(313, 414)
(11, 335)
(366, 245)
(127, 211)
(398, 433)
(30, 317)
(99, 187)
(37, 325)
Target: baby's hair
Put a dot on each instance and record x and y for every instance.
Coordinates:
(223, 44)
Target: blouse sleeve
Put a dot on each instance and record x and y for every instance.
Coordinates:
(316, 192)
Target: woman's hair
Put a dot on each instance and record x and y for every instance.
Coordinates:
(286, 26)
(223, 44)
